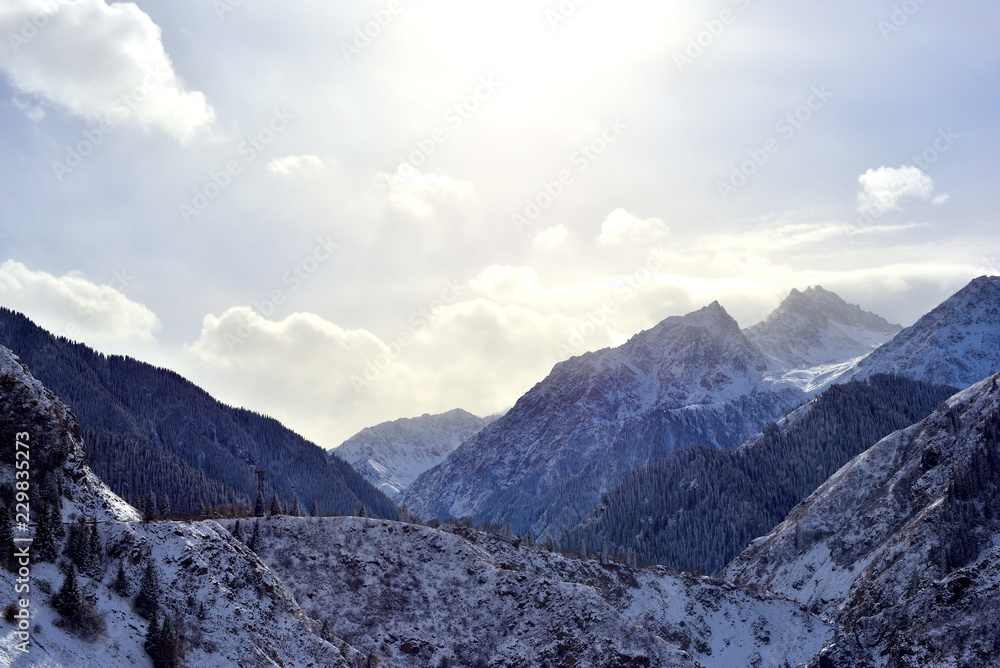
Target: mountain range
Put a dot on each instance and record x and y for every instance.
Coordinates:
(691, 379)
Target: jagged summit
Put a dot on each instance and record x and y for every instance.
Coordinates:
(957, 344)
(813, 333)
(391, 455)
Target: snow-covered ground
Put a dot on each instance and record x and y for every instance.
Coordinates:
(422, 597)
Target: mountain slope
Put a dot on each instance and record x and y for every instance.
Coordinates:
(814, 336)
(678, 379)
(427, 597)
(958, 343)
(148, 429)
(213, 589)
(900, 546)
(691, 379)
(391, 455)
(700, 507)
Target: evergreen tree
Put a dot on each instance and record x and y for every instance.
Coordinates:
(275, 509)
(147, 601)
(324, 632)
(6, 540)
(605, 558)
(76, 545)
(258, 505)
(44, 545)
(255, 536)
(153, 633)
(121, 585)
(149, 506)
(95, 550)
(165, 506)
(362, 512)
(296, 508)
(314, 509)
(68, 602)
(238, 532)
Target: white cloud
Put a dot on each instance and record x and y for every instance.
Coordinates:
(105, 63)
(291, 165)
(622, 228)
(418, 193)
(77, 308)
(551, 239)
(889, 188)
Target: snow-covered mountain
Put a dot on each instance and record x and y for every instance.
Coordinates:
(691, 379)
(814, 337)
(391, 455)
(231, 608)
(958, 343)
(541, 467)
(901, 547)
(418, 596)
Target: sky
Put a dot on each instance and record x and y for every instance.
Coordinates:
(341, 213)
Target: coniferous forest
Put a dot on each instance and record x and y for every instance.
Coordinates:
(149, 431)
(698, 508)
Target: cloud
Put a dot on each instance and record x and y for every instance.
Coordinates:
(551, 239)
(77, 308)
(104, 63)
(622, 228)
(292, 165)
(418, 193)
(889, 188)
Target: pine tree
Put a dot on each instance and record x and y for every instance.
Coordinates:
(76, 546)
(362, 512)
(153, 634)
(275, 509)
(314, 509)
(165, 507)
(6, 540)
(121, 585)
(238, 532)
(44, 545)
(147, 601)
(255, 536)
(149, 506)
(605, 558)
(95, 550)
(324, 632)
(258, 505)
(296, 508)
(68, 602)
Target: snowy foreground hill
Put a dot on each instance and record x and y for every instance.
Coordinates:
(417, 597)
(901, 547)
(231, 608)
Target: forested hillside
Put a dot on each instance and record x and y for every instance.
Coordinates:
(701, 506)
(150, 430)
